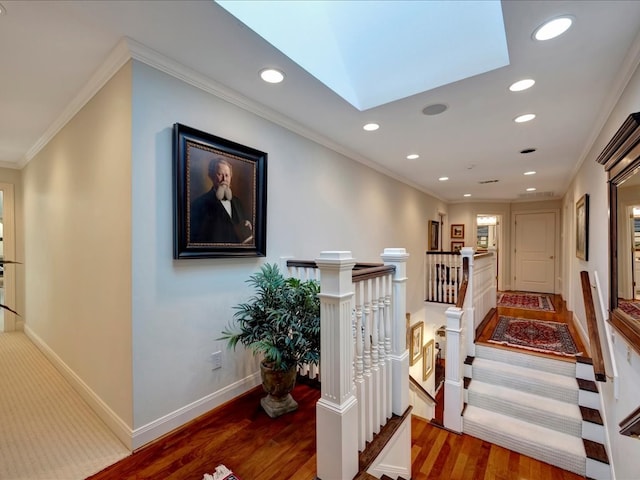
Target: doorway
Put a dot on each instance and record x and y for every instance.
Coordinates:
(489, 233)
(535, 251)
(7, 252)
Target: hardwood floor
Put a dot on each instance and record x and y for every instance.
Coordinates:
(242, 437)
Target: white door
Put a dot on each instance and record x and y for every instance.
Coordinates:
(535, 243)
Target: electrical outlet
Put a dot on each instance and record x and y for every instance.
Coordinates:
(216, 359)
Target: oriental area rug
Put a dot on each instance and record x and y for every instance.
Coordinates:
(527, 301)
(630, 308)
(535, 335)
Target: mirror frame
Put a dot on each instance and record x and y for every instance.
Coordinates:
(621, 159)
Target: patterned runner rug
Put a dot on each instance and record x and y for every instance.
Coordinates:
(527, 301)
(630, 308)
(535, 335)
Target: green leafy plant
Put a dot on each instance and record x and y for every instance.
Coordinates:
(281, 320)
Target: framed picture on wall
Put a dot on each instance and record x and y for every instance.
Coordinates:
(434, 235)
(457, 230)
(220, 197)
(415, 346)
(456, 246)
(582, 228)
(427, 359)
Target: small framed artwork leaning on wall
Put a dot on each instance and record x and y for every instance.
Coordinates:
(220, 197)
(434, 235)
(427, 359)
(415, 346)
(457, 230)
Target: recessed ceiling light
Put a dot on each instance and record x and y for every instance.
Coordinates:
(467, 194)
(527, 117)
(527, 150)
(522, 85)
(443, 179)
(370, 127)
(553, 28)
(271, 75)
(530, 173)
(435, 109)
(531, 189)
(413, 156)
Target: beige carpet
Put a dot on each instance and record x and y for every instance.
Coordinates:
(47, 432)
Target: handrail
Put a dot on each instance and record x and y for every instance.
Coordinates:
(421, 389)
(463, 292)
(630, 426)
(592, 325)
(361, 271)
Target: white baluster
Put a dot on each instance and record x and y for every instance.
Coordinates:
(387, 343)
(375, 352)
(359, 377)
(368, 378)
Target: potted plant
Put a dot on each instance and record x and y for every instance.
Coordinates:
(281, 321)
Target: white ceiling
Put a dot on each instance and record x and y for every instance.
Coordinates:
(50, 50)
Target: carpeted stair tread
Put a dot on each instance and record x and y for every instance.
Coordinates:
(527, 360)
(548, 412)
(556, 448)
(542, 383)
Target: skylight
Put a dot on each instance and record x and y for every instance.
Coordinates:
(375, 52)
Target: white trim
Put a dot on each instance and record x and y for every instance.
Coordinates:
(10, 323)
(113, 421)
(134, 439)
(115, 60)
(171, 421)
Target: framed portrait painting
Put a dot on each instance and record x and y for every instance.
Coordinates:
(582, 228)
(415, 345)
(220, 197)
(457, 230)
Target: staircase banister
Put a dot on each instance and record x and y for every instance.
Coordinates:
(592, 326)
(421, 390)
(367, 273)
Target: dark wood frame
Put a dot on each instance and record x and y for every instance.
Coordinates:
(192, 152)
(582, 227)
(434, 235)
(621, 159)
(456, 246)
(414, 356)
(457, 230)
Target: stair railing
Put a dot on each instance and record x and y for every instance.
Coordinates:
(364, 358)
(592, 327)
(443, 276)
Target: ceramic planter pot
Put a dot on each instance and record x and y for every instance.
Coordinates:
(278, 386)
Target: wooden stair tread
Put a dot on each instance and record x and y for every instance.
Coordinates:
(469, 360)
(467, 382)
(591, 415)
(585, 360)
(587, 385)
(595, 451)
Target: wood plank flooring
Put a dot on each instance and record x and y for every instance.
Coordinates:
(242, 437)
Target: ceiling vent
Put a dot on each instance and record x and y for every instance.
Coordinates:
(483, 182)
(536, 195)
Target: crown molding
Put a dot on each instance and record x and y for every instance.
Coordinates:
(114, 61)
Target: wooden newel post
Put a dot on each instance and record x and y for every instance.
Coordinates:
(399, 353)
(336, 411)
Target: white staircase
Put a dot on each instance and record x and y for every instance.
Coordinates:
(536, 406)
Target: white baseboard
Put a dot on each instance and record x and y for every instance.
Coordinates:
(108, 416)
(173, 420)
(395, 458)
(134, 439)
